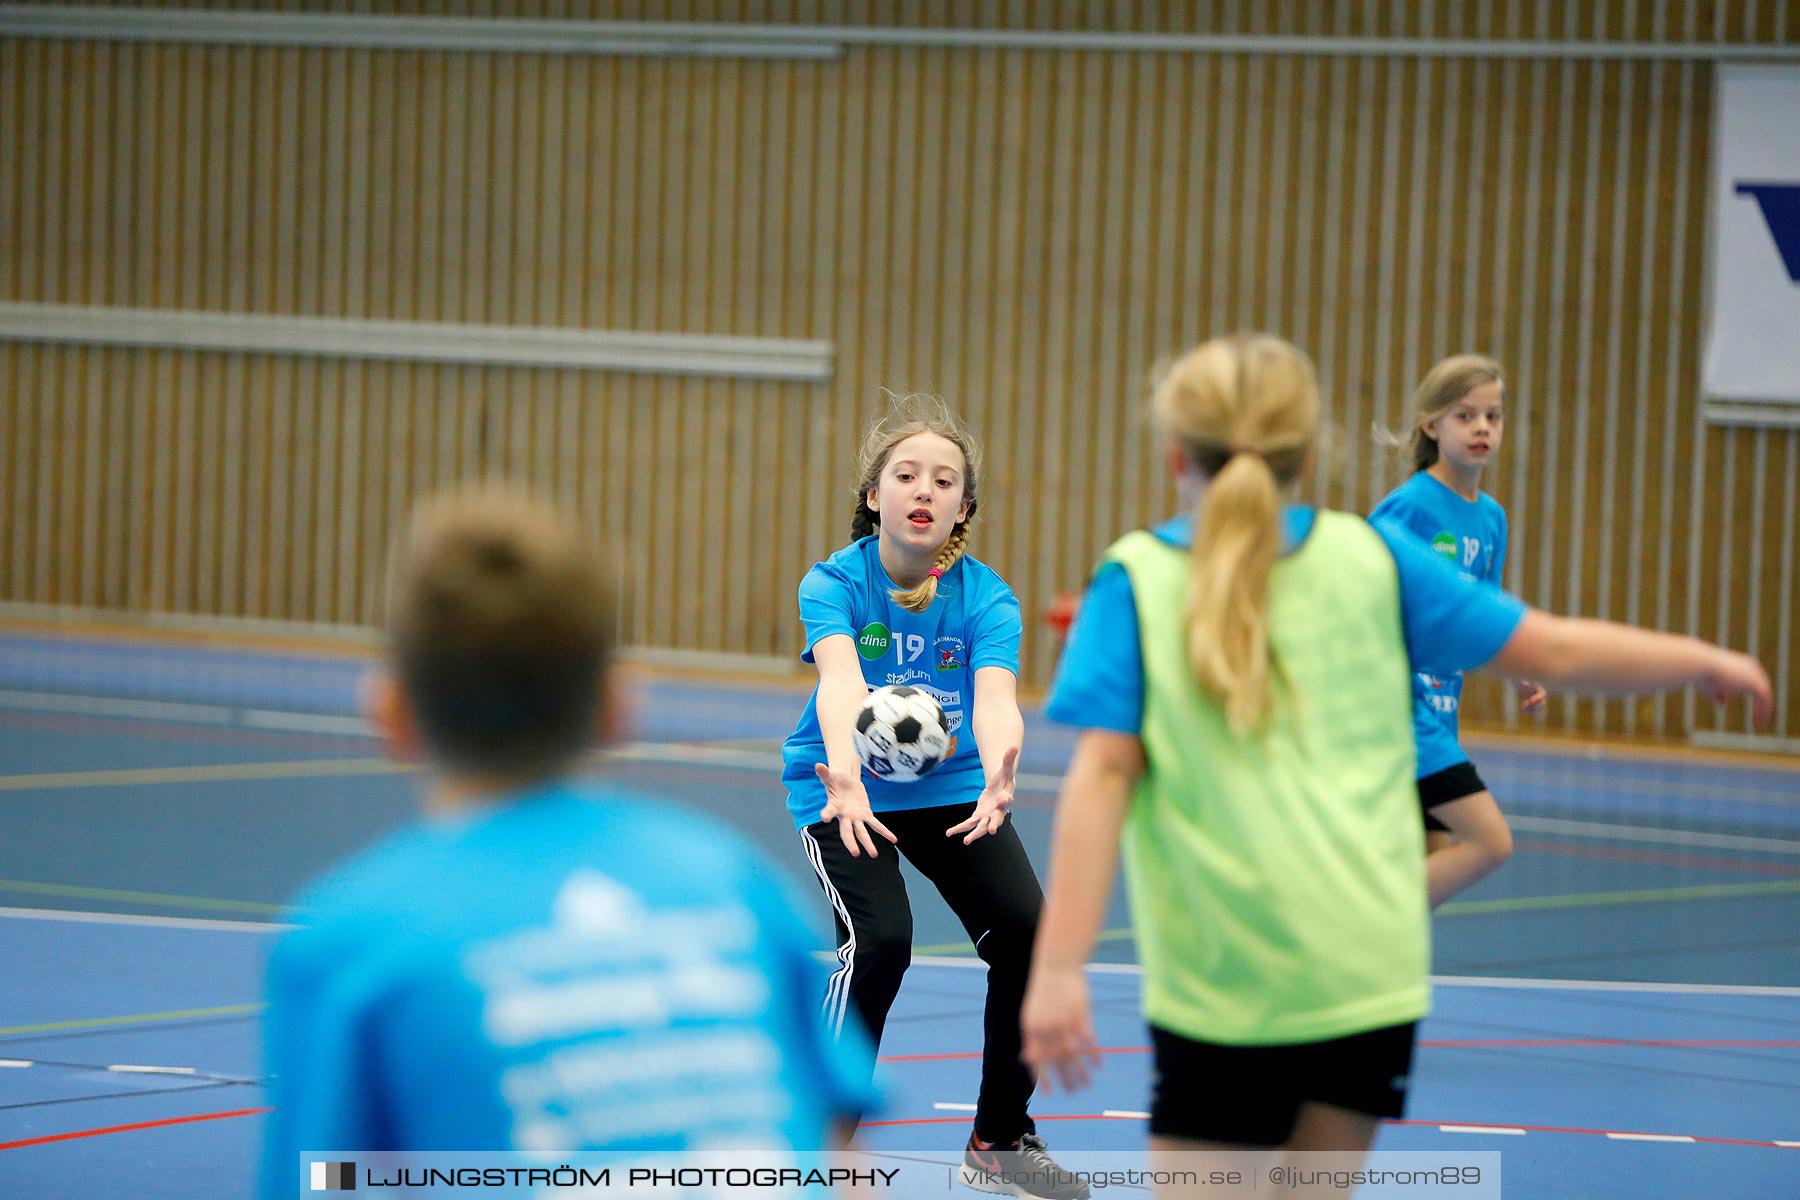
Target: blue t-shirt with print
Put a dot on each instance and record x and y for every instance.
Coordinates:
(1470, 536)
(572, 969)
(973, 623)
(1446, 618)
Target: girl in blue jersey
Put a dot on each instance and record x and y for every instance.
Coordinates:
(1241, 679)
(1456, 433)
(904, 603)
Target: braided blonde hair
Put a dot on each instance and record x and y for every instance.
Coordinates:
(917, 412)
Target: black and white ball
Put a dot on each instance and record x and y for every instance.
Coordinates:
(901, 733)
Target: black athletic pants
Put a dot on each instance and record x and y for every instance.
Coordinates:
(993, 891)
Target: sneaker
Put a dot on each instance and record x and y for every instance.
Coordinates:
(1021, 1168)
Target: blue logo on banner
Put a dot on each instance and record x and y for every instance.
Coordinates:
(1780, 203)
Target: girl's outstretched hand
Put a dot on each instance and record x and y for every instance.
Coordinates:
(1734, 674)
(848, 804)
(995, 802)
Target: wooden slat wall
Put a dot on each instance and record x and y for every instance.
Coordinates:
(1026, 232)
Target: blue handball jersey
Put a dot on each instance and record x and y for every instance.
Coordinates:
(1099, 682)
(1471, 536)
(973, 623)
(571, 970)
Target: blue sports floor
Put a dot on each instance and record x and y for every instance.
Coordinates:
(1618, 1010)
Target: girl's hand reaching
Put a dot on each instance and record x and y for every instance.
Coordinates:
(1058, 1027)
(995, 802)
(848, 804)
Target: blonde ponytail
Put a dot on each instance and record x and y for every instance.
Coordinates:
(1237, 537)
(1245, 412)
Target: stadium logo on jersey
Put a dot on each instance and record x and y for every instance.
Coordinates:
(874, 640)
(1445, 544)
(334, 1177)
(949, 653)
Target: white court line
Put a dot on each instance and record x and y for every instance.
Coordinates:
(694, 752)
(136, 1069)
(930, 960)
(1650, 833)
(1601, 758)
(965, 964)
(1050, 785)
(105, 918)
(16, 1062)
(303, 768)
(760, 760)
(1610, 782)
(1126, 1114)
(686, 752)
(1598, 985)
(299, 722)
(1470, 981)
(258, 718)
(108, 706)
(194, 714)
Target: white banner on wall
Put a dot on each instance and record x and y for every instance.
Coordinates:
(1753, 347)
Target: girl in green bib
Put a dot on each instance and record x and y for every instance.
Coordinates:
(1242, 679)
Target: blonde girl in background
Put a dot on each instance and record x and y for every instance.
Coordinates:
(1459, 418)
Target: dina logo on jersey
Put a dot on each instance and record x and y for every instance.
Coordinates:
(873, 641)
(1446, 545)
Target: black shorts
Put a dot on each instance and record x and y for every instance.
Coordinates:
(1441, 787)
(1251, 1095)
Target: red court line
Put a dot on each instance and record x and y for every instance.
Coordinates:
(1675, 1043)
(88, 1133)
